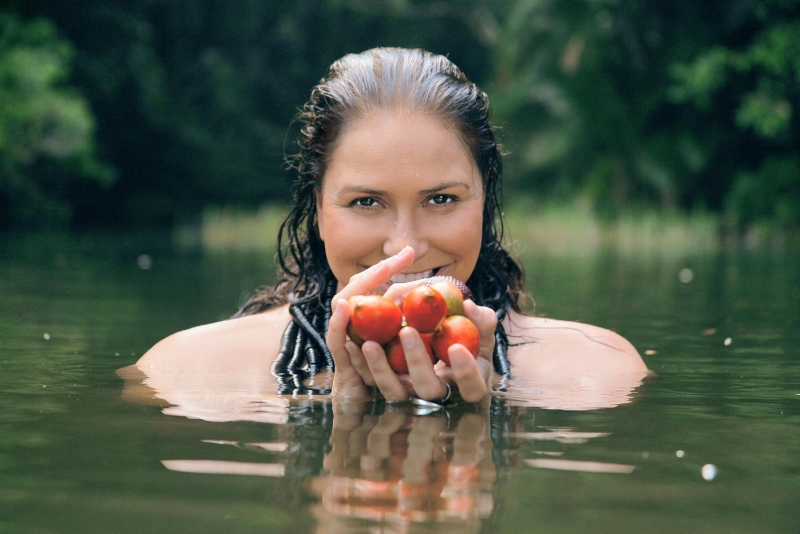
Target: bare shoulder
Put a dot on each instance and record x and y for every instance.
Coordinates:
(553, 347)
(242, 342)
(570, 366)
(215, 372)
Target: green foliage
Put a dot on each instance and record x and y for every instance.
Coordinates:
(46, 128)
(772, 61)
(770, 195)
(758, 81)
(672, 105)
(194, 98)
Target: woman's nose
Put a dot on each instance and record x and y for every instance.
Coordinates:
(405, 232)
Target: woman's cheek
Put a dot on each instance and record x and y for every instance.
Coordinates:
(350, 242)
(462, 237)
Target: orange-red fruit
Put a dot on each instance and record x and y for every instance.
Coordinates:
(452, 296)
(351, 329)
(353, 335)
(424, 309)
(397, 356)
(455, 329)
(375, 318)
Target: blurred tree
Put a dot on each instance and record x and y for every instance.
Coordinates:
(194, 98)
(46, 128)
(681, 103)
(752, 85)
(678, 104)
(577, 88)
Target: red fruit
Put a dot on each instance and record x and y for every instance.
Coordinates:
(375, 318)
(353, 335)
(455, 329)
(397, 356)
(452, 296)
(424, 309)
(351, 329)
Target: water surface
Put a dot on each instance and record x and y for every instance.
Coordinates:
(77, 456)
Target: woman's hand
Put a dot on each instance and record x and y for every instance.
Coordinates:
(360, 368)
(348, 380)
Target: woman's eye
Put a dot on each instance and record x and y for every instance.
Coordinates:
(441, 200)
(364, 202)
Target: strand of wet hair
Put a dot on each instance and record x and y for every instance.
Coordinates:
(500, 354)
(303, 351)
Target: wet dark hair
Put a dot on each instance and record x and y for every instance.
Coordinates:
(358, 85)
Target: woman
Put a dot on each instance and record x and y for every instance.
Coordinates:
(398, 173)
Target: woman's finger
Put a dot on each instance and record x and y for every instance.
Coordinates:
(469, 373)
(381, 273)
(486, 321)
(346, 380)
(359, 363)
(397, 292)
(385, 378)
(427, 384)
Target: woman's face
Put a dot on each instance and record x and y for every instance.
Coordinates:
(399, 179)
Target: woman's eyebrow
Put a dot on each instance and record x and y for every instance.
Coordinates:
(378, 192)
(362, 190)
(444, 186)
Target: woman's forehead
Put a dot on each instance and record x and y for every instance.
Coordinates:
(399, 146)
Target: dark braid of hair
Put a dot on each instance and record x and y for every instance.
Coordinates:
(303, 350)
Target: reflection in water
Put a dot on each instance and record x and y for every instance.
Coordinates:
(237, 396)
(220, 467)
(398, 467)
(586, 467)
(572, 392)
(394, 467)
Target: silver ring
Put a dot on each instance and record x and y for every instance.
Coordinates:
(447, 395)
(438, 403)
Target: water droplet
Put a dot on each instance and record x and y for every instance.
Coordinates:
(727, 341)
(709, 471)
(46, 336)
(679, 454)
(686, 275)
(144, 261)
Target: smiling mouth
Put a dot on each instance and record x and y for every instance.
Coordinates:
(413, 277)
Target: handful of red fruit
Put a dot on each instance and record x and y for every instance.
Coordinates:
(435, 311)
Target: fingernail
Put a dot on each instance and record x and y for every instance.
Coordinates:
(406, 339)
(370, 352)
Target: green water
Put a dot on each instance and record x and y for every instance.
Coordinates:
(76, 457)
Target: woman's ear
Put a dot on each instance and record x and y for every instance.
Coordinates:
(320, 223)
